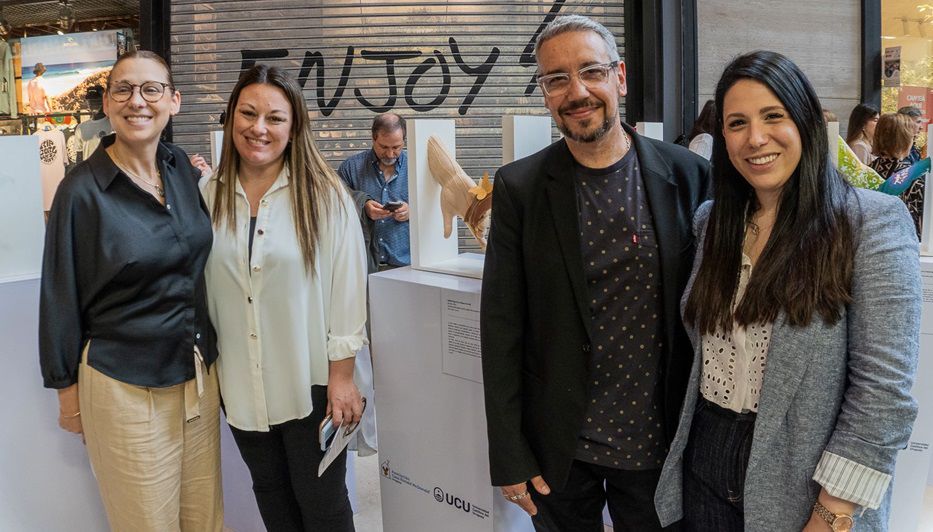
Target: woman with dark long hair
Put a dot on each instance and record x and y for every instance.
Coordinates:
(799, 397)
(287, 292)
(861, 131)
(125, 334)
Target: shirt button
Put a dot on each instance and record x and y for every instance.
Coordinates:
(168, 206)
(197, 336)
(249, 299)
(260, 232)
(263, 202)
(253, 335)
(256, 268)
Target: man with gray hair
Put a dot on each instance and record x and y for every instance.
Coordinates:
(585, 359)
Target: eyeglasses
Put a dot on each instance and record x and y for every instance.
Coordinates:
(591, 76)
(151, 91)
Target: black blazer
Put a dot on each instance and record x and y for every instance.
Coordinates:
(534, 321)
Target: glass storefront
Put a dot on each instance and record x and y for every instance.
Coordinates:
(907, 51)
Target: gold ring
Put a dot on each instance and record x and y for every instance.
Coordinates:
(518, 497)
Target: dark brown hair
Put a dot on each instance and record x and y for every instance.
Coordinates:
(388, 123)
(861, 115)
(314, 184)
(806, 266)
(706, 122)
(894, 134)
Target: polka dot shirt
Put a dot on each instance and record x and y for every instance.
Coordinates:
(622, 424)
(734, 362)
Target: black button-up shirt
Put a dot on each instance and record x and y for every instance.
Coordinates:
(126, 273)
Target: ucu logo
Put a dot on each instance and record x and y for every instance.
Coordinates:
(456, 502)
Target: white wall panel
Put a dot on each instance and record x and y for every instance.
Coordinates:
(823, 38)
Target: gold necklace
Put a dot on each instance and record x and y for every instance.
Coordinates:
(120, 164)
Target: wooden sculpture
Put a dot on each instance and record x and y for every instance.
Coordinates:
(460, 196)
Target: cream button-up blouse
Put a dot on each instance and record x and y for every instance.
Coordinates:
(734, 362)
(278, 326)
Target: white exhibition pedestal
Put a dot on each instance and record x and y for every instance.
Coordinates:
(434, 466)
(913, 464)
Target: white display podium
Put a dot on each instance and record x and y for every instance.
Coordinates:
(434, 466)
(913, 463)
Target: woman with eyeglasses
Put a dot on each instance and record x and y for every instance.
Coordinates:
(125, 335)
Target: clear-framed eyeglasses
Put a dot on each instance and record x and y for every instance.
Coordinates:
(591, 76)
(151, 91)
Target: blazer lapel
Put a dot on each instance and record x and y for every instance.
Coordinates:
(562, 197)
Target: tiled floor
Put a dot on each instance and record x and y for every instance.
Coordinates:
(369, 514)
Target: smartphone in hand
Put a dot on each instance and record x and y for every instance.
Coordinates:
(393, 206)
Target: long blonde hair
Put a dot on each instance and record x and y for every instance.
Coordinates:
(314, 184)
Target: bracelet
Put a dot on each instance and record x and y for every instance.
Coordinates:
(72, 416)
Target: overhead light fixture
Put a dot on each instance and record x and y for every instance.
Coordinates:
(5, 26)
(66, 15)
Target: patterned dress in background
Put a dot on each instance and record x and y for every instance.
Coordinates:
(913, 197)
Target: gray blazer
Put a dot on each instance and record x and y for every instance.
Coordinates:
(842, 388)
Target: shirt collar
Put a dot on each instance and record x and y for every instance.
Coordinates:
(105, 170)
(281, 181)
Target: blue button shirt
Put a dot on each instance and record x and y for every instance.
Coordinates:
(362, 172)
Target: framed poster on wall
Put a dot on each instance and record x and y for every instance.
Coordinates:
(66, 66)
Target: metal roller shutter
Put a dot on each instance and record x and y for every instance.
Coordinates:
(467, 60)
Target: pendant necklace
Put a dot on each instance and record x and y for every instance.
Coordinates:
(158, 188)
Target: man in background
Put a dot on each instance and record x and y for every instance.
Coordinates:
(378, 180)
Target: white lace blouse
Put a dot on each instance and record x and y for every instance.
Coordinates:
(734, 362)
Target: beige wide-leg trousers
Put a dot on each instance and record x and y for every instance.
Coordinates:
(155, 470)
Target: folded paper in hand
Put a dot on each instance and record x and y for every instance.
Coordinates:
(338, 443)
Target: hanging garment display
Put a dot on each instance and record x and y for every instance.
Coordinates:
(52, 160)
(89, 133)
(7, 81)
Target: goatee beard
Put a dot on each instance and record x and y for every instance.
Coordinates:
(592, 136)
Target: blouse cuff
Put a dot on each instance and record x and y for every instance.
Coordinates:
(851, 481)
(341, 347)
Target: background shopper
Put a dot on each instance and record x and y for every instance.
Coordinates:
(701, 140)
(861, 132)
(916, 120)
(287, 292)
(893, 140)
(799, 397)
(124, 329)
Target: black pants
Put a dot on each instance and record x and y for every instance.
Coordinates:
(715, 461)
(579, 506)
(283, 464)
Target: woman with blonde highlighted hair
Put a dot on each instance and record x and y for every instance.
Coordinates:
(287, 293)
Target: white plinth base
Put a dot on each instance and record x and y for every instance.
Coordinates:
(464, 265)
(434, 466)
